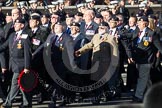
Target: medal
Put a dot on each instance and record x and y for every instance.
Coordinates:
(146, 43)
(61, 48)
(19, 46)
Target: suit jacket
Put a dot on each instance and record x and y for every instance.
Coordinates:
(105, 50)
(144, 51)
(19, 50)
(2, 54)
(90, 31)
(38, 38)
(84, 61)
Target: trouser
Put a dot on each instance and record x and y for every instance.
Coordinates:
(143, 80)
(15, 90)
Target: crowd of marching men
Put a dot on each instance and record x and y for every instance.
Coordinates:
(111, 35)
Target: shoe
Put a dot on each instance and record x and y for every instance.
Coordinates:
(52, 105)
(96, 101)
(63, 103)
(6, 106)
(137, 100)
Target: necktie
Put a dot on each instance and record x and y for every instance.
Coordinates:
(55, 40)
(139, 35)
(15, 38)
(110, 32)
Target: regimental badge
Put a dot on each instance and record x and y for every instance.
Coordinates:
(61, 47)
(146, 43)
(19, 45)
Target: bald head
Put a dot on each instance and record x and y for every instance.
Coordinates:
(89, 15)
(16, 13)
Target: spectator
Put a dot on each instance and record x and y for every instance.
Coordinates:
(153, 97)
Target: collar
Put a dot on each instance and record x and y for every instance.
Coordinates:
(45, 25)
(113, 31)
(59, 35)
(133, 27)
(35, 29)
(19, 32)
(89, 24)
(75, 36)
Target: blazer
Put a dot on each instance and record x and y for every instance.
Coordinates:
(19, 51)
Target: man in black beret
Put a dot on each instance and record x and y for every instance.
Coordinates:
(98, 18)
(142, 51)
(38, 35)
(20, 57)
(69, 20)
(78, 17)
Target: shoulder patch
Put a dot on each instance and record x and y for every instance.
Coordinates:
(24, 36)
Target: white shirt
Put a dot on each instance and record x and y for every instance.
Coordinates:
(75, 36)
(142, 34)
(18, 34)
(113, 31)
(35, 29)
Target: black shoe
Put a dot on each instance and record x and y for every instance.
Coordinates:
(96, 101)
(137, 100)
(52, 105)
(6, 105)
(63, 103)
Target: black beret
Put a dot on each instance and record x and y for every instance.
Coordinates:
(79, 14)
(114, 18)
(56, 13)
(45, 15)
(59, 23)
(103, 24)
(98, 15)
(20, 21)
(69, 15)
(8, 14)
(75, 24)
(143, 18)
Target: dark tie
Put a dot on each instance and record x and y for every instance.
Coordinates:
(15, 38)
(55, 40)
(139, 34)
(110, 32)
(68, 31)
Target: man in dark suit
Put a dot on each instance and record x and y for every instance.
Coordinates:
(38, 35)
(142, 50)
(20, 54)
(89, 27)
(9, 29)
(60, 43)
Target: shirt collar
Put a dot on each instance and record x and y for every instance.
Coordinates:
(75, 36)
(59, 35)
(19, 32)
(35, 29)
